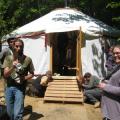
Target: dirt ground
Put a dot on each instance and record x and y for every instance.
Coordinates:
(37, 109)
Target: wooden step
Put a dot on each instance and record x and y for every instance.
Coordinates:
(63, 90)
(64, 77)
(65, 80)
(61, 86)
(62, 99)
(64, 95)
(62, 83)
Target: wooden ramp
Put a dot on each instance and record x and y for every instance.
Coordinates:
(63, 89)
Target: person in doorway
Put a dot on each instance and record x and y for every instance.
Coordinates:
(91, 92)
(110, 104)
(18, 68)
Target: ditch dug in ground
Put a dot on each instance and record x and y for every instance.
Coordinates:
(36, 109)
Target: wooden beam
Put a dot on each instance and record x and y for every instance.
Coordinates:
(61, 83)
(64, 95)
(65, 92)
(75, 100)
(63, 89)
(61, 86)
(64, 77)
(51, 57)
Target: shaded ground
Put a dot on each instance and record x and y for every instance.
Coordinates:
(36, 109)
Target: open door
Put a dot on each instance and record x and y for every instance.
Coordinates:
(65, 54)
(64, 87)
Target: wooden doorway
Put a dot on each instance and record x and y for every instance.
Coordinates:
(64, 87)
(65, 54)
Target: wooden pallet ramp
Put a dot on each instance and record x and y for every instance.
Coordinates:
(63, 89)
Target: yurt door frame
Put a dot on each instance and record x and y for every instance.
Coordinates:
(78, 67)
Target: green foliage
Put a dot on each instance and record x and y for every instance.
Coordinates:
(114, 8)
(113, 5)
(116, 19)
(15, 13)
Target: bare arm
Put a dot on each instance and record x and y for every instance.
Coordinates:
(29, 76)
(8, 71)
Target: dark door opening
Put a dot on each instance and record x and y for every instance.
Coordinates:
(64, 54)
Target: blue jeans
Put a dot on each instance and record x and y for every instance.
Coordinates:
(15, 103)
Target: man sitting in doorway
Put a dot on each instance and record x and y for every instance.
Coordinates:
(38, 86)
(91, 92)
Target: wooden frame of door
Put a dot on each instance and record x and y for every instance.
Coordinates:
(78, 56)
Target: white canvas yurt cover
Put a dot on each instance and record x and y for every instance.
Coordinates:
(65, 20)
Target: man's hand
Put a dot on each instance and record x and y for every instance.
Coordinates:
(15, 63)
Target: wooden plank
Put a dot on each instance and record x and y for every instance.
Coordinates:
(61, 86)
(78, 100)
(61, 83)
(51, 57)
(59, 92)
(64, 88)
(64, 95)
(64, 77)
(64, 80)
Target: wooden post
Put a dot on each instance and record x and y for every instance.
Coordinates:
(51, 56)
(80, 44)
(78, 60)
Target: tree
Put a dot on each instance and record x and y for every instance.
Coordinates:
(114, 8)
(15, 13)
